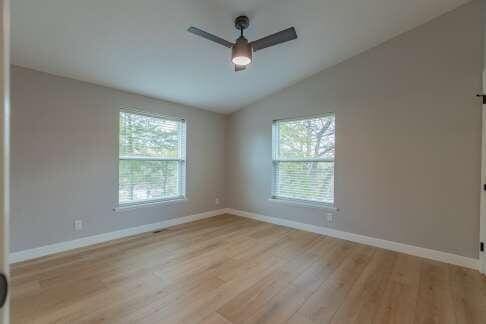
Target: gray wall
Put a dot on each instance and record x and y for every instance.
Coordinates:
(407, 140)
(63, 159)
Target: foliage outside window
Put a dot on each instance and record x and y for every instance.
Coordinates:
(151, 165)
(303, 160)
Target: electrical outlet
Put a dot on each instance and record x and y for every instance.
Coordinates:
(216, 201)
(78, 225)
(330, 218)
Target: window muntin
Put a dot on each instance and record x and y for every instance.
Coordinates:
(151, 162)
(303, 160)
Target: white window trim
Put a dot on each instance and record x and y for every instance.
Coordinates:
(293, 201)
(303, 203)
(151, 203)
(183, 149)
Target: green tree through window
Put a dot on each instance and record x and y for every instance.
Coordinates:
(151, 158)
(303, 159)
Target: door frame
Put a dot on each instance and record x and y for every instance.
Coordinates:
(482, 213)
(4, 144)
(482, 217)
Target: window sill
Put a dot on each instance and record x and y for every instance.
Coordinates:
(303, 204)
(154, 203)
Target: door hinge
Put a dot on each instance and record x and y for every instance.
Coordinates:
(481, 246)
(484, 187)
(3, 289)
(482, 96)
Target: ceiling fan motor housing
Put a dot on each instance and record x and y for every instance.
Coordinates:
(242, 22)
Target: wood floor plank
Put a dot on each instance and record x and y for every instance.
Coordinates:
(198, 306)
(250, 300)
(215, 318)
(325, 265)
(299, 319)
(296, 282)
(148, 285)
(280, 308)
(229, 270)
(435, 301)
(134, 308)
(361, 304)
(399, 299)
(469, 298)
(327, 299)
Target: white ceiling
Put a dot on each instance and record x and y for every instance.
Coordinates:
(142, 45)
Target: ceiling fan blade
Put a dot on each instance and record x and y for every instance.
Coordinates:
(211, 37)
(239, 68)
(274, 39)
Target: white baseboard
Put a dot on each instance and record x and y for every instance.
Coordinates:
(384, 244)
(100, 238)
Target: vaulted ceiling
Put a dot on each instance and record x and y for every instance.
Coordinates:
(142, 46)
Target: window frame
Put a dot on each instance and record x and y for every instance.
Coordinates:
(182, 162)
(275, 148)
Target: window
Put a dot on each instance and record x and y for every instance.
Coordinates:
(303, 160)
(151, 164)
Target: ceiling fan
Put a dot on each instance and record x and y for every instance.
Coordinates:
(242, 50)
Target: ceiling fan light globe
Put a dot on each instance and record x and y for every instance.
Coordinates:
(241, 53)
(241, 60)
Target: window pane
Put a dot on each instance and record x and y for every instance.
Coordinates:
(305, 180)
(146, 180)
(306, 139)
(146, 136)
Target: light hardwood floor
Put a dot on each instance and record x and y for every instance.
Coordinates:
(229, 269)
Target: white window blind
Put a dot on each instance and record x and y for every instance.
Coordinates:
(151, 165)
(303, 160)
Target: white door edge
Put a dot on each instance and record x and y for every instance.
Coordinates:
(4, 143)
(482, 220)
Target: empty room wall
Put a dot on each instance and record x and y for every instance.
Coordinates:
(63, 159)
(408, 136)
